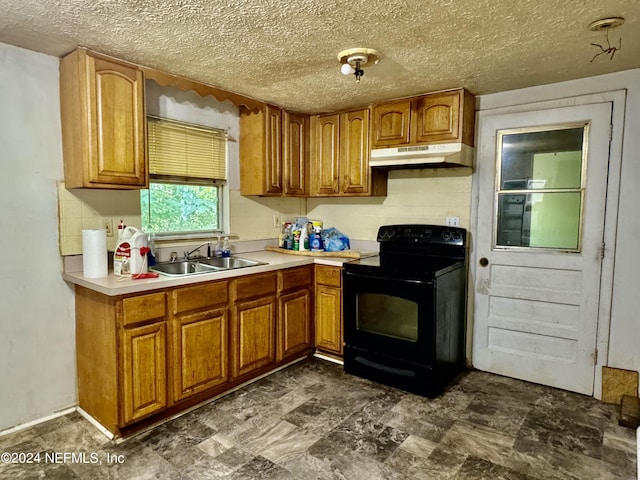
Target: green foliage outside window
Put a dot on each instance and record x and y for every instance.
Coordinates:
(179, 208)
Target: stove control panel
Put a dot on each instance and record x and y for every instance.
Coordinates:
(425, 234)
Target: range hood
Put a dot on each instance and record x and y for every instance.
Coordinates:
(422, 156)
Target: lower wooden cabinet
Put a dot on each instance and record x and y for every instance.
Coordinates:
(253, 335)
(144, 381)
(199, 339)
(295, 317)
(253, 323)
(145, 356)
(328, 309)
(121, 356)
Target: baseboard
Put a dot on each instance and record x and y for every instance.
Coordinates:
(24, 426)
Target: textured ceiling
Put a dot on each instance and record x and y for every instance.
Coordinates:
(284, 51)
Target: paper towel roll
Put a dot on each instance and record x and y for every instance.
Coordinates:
(94, 253)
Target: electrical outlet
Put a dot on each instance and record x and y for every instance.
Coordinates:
(107, 224)
(276, 220)
(453, 221)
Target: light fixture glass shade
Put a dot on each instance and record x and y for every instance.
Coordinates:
(347, 69)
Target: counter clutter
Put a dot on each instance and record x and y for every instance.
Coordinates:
(113, 285)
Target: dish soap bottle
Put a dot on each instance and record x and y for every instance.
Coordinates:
(217, 251)
(226, 251)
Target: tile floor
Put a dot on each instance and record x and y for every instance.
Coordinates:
(312, 421)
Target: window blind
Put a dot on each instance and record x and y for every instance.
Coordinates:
(183, 150)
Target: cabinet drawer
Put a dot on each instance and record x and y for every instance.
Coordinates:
(295, 278)
(143, 307)
(258, 285)
(199, 296)
(331, 276)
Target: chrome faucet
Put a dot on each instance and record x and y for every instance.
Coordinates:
(187, 255)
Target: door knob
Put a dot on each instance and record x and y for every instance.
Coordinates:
(484, 262)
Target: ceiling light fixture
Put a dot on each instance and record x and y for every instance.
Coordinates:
(354, 59)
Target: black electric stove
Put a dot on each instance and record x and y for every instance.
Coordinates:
(404, 310)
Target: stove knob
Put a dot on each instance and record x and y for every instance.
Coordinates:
(391, 232)
(446, 235)
(457, 236)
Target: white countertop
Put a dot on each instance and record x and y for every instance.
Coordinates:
(112, 285)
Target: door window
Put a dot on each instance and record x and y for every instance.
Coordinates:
(540, 187)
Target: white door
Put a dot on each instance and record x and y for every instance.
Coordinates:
(542, 185)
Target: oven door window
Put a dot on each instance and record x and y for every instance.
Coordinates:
(387, 315)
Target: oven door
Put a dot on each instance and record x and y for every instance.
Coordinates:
(389, 316)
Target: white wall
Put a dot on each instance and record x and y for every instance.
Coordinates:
(37, 331)
(624, 349)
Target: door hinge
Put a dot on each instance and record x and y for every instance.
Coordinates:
(610, 132)
(595, 356)
(602, 248)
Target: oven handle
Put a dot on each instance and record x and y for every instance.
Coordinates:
(385, 277)
(385, 368)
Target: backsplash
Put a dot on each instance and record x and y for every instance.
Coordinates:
(85, 209)
(426, 195)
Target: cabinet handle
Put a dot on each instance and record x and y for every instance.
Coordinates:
(484, 262)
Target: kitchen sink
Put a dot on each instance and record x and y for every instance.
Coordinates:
(227, 263)
(183, 267)
(202, 265)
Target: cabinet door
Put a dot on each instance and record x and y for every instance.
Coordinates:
(325, 173)
(294, 323)
(391, 124)
(253, 335)
(117, 124)
(329, 319)
(143, 371)
(295, 154)
(199, 346)
(273, 150)
(354, 152)
(436, 118)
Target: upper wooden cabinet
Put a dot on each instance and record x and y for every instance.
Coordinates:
(274, 148)
(103, 122)
(391, 123)
(295, 154)
(434, 118)
(340, 156)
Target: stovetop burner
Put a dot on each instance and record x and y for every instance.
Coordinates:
(415, 251)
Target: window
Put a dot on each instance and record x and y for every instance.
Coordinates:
(187, 169)
(540, 188)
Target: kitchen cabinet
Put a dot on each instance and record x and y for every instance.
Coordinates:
(328, 309)
(143, 371)
(121, 356)
(143, 357)
(274, 158)
(441, 117)
(253, 323)
(199, 334)
(103, 122)
(391, 124)
(294, 312)
(295, 154)
(340, 156)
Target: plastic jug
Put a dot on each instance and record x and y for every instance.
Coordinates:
(130, 256)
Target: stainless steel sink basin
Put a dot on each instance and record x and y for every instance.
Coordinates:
(228, 263)
(183, 267)
(202, 265)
